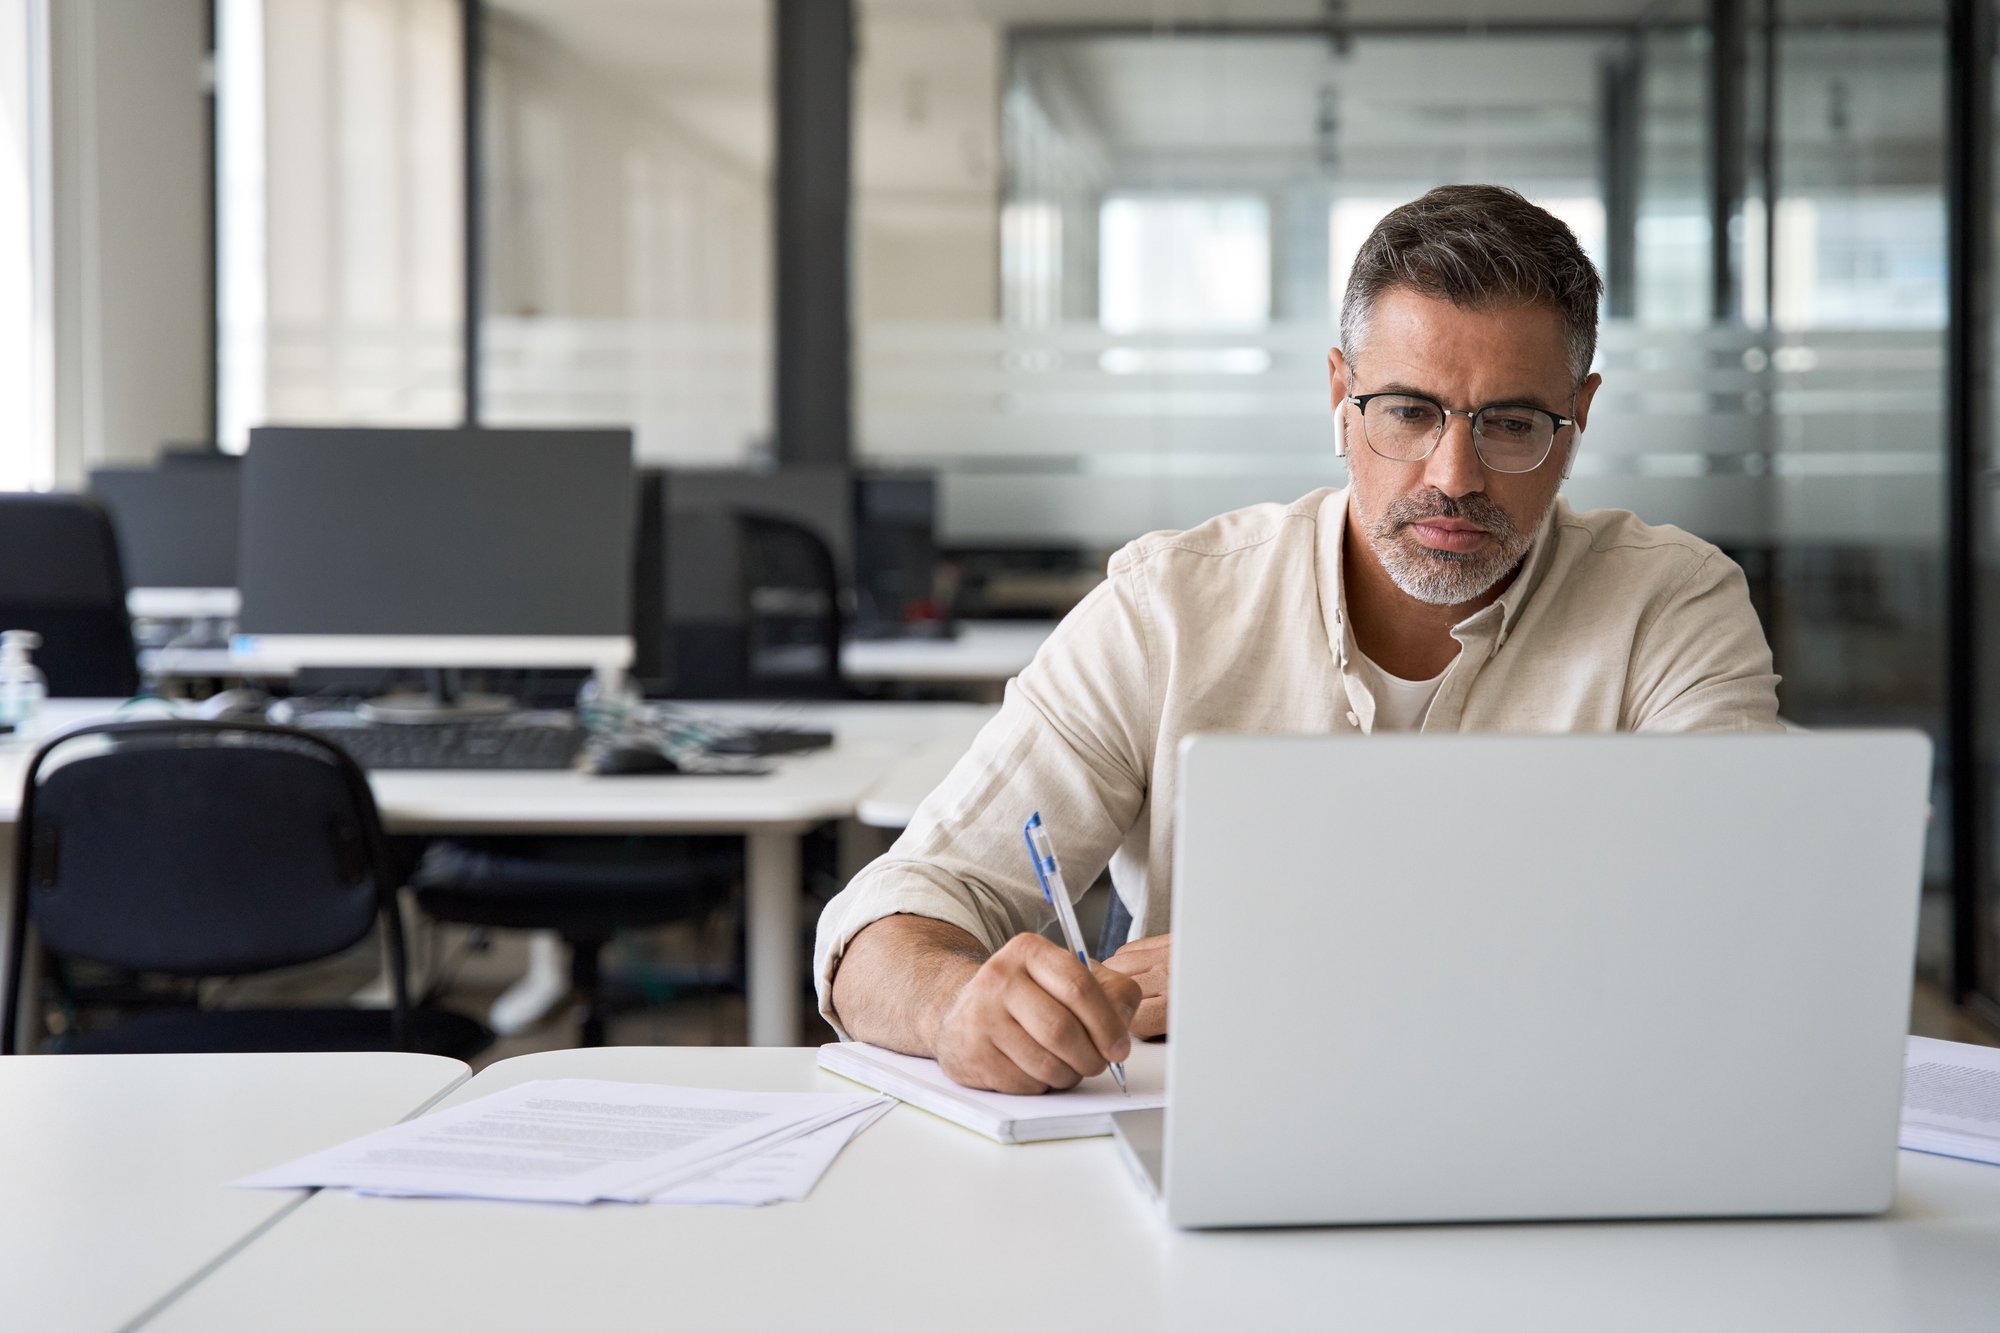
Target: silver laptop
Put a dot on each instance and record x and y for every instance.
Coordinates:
(1449, 979)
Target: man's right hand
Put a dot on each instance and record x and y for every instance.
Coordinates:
(1033, 1018)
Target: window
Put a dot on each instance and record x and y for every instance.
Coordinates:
(1184, 263)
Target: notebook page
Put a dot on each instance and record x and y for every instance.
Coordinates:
(1085, 1109)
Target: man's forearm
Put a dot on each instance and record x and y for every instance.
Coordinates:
(899, 977)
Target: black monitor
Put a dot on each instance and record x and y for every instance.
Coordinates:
(895, 555)
(438, 548)
(694, 619)
(176, 525)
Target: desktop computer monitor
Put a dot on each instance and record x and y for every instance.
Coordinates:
(177, 532)
(895, 555)
(467, 548)
(703, 630)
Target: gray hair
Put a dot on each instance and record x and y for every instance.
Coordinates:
(1474, 246)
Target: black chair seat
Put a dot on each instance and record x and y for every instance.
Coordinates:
(185, 1031)
(573, 894)
(584, 890)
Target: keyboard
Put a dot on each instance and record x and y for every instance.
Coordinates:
(457, 745)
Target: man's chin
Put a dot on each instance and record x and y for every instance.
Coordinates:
(1442, 578)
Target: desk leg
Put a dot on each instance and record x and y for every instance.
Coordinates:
(772, 930)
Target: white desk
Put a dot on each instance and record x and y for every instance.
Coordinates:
(771, 812)
(922, 1225)
(984, 652)
(184, 603)
(892, 802)
(113, 1191)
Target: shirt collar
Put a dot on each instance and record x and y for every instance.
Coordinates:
(1333, 585)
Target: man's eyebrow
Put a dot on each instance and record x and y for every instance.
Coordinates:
(1512, 400)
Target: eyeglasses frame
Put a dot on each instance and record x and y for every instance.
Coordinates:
(1471, 416)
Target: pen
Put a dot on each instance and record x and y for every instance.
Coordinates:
(1043, 853)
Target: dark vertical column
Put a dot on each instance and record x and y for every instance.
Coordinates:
(1968, 427)
(812, 190)
(1619, 102)
(472, 20)
(211, 211)
(1768, 166)
(1725, 159)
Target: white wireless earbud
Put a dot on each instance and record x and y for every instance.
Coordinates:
(1340, 429)
(1575, 443)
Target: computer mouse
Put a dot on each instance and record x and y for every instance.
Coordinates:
(631, 760)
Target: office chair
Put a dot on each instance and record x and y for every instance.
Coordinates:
(584, 889)
(791, 599)
(60, 576)
(174, 852)
(752, 610)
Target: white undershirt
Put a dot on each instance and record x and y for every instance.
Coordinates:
(1400, 704)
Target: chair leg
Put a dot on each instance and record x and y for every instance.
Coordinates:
(586, 979)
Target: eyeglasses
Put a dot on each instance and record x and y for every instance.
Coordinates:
(1508, 437)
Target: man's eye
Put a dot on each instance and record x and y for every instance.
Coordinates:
(1508, 424)
(1411, 416)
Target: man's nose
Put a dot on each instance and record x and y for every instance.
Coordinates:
(1454, 467)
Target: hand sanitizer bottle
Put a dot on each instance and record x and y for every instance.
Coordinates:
(22, 686)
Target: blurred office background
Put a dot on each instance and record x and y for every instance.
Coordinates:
(1080, 258)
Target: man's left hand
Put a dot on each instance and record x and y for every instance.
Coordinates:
(1146, 962)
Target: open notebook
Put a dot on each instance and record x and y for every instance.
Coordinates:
(1083, 1111)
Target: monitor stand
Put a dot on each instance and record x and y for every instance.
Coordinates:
(440, 701)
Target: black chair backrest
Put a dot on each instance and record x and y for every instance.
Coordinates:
(791, 599)
(197, 849)
(60, 577)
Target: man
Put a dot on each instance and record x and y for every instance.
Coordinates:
(1447, 588)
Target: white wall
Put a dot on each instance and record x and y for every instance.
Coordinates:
(130, 233)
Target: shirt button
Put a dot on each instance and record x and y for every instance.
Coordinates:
(1353, 721)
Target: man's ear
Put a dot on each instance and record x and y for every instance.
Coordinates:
(1584, 393)
(1336, 375)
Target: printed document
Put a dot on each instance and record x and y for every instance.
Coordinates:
(1951, 1099)
(783, 1174)
(568, 1141)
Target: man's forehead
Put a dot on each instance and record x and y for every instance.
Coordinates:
(1513, 338)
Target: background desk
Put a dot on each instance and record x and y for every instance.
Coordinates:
(114, 1190)
(771, 812)
(985, 653)
(892, 802)
(921, 1224)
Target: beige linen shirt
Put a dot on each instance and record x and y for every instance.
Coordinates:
(1240, 625)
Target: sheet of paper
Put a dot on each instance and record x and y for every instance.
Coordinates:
(835, 1107)
(553, 1140)
(1951, 1099)
(1001, 1115)
(784, 1174)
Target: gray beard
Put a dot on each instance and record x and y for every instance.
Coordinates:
(1446, 578)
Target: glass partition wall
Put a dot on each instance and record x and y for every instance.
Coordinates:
(626, 218)
(1178, 209)
(1097, 251)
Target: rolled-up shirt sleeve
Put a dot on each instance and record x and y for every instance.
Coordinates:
(1703, 663)
(1073, 741)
